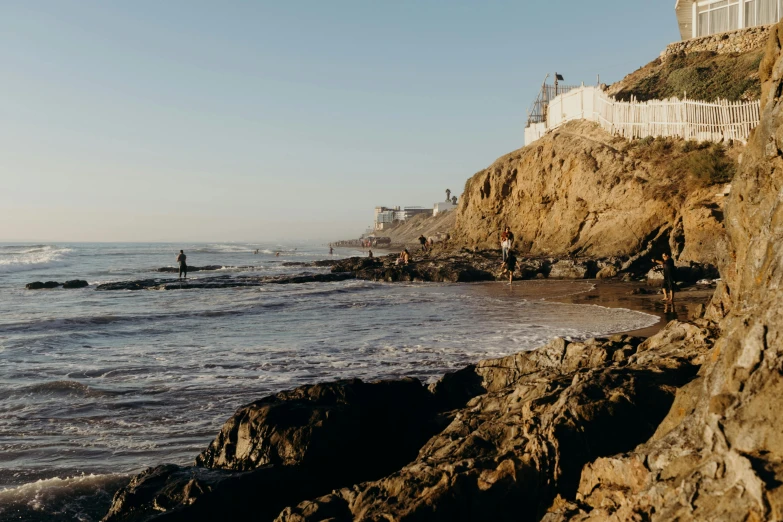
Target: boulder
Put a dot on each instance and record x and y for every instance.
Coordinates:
(291, 446)
(76, 283)
(38, 285)
(570, 269)
(607, 272)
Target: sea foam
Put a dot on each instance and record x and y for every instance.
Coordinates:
(21, 258)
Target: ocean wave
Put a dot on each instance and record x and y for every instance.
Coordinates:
(31, 257)
(85, 497)
(66, 388)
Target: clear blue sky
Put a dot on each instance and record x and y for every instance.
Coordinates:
(238, 120)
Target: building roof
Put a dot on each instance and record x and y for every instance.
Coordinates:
(684, 10)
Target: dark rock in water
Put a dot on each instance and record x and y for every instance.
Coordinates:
(38, 285)
(207, 268)
(325, 423)
(514, 450)
(319, 264)
(194, 494)
(76, 283)
(289, 447)
(226, 281)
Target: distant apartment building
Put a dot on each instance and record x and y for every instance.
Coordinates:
(386, 217)
(703, 18)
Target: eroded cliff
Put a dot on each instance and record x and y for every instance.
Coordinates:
(581, 191)
(718, 455)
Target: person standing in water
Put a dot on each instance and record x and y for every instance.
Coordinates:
(331, 250)
(509, 265)
(183, 266)
(668, 276)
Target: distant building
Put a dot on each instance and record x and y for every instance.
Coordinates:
(443, 206)
(706, 17)
(409, 212)
(386, 217)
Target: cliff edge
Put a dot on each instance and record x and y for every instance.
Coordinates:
(579, 191)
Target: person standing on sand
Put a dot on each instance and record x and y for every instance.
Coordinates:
(509, 265)
(183, 266)
(668, 276)
(423, 242)
(506, 241)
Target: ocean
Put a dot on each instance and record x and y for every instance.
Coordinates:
(96, 386)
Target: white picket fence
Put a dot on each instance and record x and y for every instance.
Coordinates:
(689, 119)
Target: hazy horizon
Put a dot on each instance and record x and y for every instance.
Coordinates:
(200, 122)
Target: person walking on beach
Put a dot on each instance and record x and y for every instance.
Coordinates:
(668, 276)
(509, 265)
(183, 266)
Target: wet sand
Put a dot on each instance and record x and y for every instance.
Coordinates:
(611, 294)
(616, 294)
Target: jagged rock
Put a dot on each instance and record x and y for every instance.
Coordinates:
(207, 268)
(718, 454)
(38, 285)
(192, 494)
(227, 281)
(323, 423)
(607, 272)
(570, 269)
(76, 283)
(510, 452)
(289, 447)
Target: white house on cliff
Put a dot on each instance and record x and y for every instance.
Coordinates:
(706, 17)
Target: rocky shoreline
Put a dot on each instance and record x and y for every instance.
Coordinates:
(505, 439)
(441, 265)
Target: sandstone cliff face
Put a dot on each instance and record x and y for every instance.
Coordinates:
(719, 453)
(580, 191)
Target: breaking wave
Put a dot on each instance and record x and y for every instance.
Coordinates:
(85, 497)
(20, 258)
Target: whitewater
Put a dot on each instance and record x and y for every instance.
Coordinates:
(96, 386)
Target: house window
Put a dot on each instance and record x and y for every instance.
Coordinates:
(767, 12)
(718, 16)
(750, 13)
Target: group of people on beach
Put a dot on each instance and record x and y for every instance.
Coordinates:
(509, 264)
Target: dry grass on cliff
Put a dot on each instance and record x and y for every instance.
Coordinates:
(702, 75)
(686, 166)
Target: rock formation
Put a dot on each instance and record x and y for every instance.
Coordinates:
(74, 283)
(580, 191)
(718, 455)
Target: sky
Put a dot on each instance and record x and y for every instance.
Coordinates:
(190, 120)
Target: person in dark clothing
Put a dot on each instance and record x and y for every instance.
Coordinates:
(509, 265)
(183, 266)
(423, 241)
(668, 276)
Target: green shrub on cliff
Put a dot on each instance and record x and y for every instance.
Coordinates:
(702, 75)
